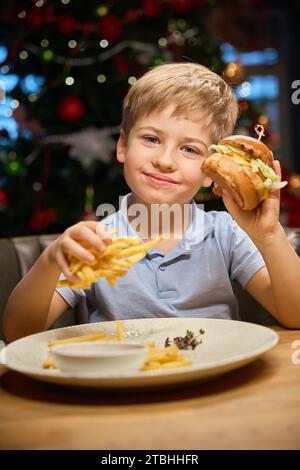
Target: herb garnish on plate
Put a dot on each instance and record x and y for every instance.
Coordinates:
(189, 341)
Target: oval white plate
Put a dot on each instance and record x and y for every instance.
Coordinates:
(227, 345)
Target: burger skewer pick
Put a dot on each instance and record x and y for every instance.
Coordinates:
(243, 166)
(260, 131)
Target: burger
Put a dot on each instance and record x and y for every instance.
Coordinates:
(244, 167)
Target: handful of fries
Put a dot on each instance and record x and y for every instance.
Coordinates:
(118, 257)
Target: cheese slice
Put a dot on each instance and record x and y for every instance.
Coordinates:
(241, 161)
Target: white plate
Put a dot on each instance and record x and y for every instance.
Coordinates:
(226, 345)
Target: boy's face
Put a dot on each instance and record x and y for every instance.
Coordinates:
(163, 147)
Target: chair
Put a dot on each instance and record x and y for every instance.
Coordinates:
(18, 254)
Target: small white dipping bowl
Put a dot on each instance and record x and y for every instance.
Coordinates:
(102, 357)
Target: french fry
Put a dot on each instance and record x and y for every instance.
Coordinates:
(114, 248)
(120, 329)
(49, 363)
(119, 256)
(83, 338)
(137, 249)
(155, 365)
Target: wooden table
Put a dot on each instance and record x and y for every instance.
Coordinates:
(256, 407)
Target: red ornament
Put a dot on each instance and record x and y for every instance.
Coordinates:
(49, 16)
(12, 53)
(34, 19)
(121, 64)
(151, 7)
(3, 197)
(183, 5)
(67, 24)
(71, 109)
(132, 15)
(199, 3)
(243, 105)
(42, 218)
(110, 28)
(87, 29)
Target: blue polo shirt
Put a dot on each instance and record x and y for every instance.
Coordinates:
(194, 279)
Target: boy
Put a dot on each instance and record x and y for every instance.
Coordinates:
(170, 118)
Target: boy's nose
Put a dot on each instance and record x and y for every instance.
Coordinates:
(164, 161)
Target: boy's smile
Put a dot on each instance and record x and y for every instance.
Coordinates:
(162, 157)
(159, 179)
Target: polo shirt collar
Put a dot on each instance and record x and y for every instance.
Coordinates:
(200, 227)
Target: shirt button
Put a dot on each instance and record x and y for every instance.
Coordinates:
(162, 267)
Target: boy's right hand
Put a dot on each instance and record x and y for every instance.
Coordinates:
(90, 232)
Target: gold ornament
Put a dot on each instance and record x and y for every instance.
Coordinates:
(234, 73)
(294, 186)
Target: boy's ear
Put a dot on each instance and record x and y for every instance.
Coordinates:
(207, 182)
(121, 147)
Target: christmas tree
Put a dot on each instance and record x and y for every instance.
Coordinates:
(72, 63)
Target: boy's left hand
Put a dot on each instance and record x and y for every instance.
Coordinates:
(262, 222)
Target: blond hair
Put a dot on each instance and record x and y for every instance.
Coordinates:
(191, 87)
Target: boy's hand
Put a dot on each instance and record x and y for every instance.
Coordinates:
(90, 232)
(261, 223)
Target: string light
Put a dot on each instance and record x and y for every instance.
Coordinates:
(72, 44)
(162, 42)
(182, 24)
(4, 69)
(245, 89)
(177, 34)
(14, 104)
(65, 2)
(39, 3)
(134, 45)
(131, 80)
(32, 97)
(7, 112)
(14, 167)
(102, 11)
(44, 43)
(171, 26)
(23, 55)
(69, 81)
(48, 55)
(101, 78)
(12, 155)
(104, 43)
(37, 186)
(22, 14)
(178, 37)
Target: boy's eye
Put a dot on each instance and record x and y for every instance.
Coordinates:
(150, 138)
(190, 150)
